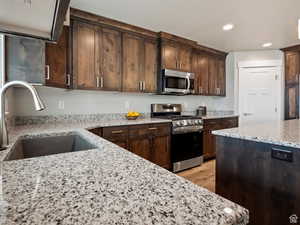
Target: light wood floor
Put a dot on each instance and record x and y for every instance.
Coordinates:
(203, 175)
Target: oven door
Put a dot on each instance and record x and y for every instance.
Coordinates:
(178, 82)
(187, 150)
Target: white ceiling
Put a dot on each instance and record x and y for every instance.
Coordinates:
(256, 21)
(35, 18)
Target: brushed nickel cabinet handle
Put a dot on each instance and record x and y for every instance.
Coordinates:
(144, 85)
(101, 82)
(117, 132)
(152, 128)
(140, 85)
(97, 82)
(47, 72)
(68, 80)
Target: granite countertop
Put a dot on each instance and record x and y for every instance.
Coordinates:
(107, 185)
(219, 115)
(284, 133)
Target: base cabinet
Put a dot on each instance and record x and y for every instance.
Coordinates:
(248, 174)
(209, 140)
(151, 142)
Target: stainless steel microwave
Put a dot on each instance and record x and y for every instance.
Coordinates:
(177, 82)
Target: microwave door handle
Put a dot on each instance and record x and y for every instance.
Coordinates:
(188, 84)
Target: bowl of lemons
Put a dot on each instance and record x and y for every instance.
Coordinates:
(132, 115)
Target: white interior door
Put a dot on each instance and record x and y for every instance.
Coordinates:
(258, 95)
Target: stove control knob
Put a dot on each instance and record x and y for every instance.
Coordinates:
(191, 122)
(183, 123)
(199, 122)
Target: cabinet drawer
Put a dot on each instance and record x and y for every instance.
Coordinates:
(160, 129)
(115, 133)
(139, 131)
(222, 123)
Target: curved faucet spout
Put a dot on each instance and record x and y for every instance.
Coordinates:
(38, 104)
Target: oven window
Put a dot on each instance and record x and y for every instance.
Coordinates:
(176, 82)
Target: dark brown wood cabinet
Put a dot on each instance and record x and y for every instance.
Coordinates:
(57, 62)
(248, 174)
(292, 71)
(200, 69)
(132, 63)
(97, 53)
(210, 77)
(209, 140)
(96, 57)
(150, 66)
(108, 59)
(149, 141)
(176, 56)
(292, 67)
(139, 64)
(117, 135)
(291, 102)
(84, 55)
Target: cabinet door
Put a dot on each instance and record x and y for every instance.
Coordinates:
(141, 147)
(213, 76)
(57, 61)
(291, 102)
(292, 61)
(150, 72)
(184, 59)
(209, 145)
(110, 71)
(161, 151)
(169, 56)
(133, 63)
(221, 90)
(200, 69)
(84, 55)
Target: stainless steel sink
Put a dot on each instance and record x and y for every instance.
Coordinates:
(43, 146)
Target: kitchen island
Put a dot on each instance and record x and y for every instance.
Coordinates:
(258, 167)
(106, 185)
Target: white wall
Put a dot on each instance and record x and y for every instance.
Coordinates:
(249, 56)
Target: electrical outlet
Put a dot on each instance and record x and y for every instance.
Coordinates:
(61, 104)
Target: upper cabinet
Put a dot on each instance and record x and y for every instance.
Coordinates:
(96, 57)
(97, 53)
(57, 62)
(176, 54)
(209, 70)
(108, 63)
(139, 64)
(292, 71)
(84, 56)
(292, 67)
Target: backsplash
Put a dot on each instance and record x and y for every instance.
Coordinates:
(67, 102)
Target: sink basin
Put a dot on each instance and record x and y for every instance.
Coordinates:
(43, 146)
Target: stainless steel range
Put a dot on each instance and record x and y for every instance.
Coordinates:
(187, 138)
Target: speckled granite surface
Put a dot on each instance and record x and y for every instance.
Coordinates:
(219, 114)
(108, 185)
(284, 133)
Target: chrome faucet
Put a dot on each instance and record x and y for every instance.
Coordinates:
(38, 104)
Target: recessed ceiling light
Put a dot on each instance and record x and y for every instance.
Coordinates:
(228, 26)
(266, 45)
